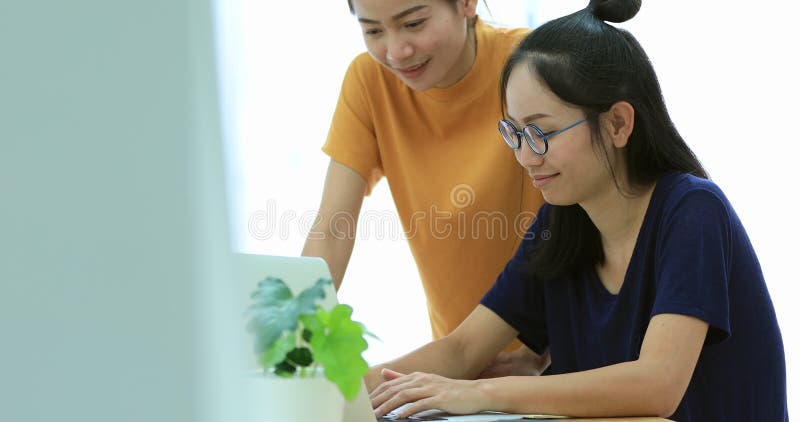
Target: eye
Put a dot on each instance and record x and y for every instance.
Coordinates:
(371, 32)
(415, 24)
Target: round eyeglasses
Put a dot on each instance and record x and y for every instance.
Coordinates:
(535, 137)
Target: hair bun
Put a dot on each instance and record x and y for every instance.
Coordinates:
(614, 10)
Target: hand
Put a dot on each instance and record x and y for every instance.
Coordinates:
(374, 378)
(522, 362)
(425, 391)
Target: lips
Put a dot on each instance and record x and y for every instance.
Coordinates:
(541, 180)
(413, 71)
(413, 68)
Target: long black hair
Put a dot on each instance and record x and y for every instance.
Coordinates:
(588, 63)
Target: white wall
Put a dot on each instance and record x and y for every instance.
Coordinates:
(728, 72)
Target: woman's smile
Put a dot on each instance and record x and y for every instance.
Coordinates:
(415, 71)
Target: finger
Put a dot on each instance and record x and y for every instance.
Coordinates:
(387, 385)
(401, 381)
(390, 389)
(389, 374)
(377, 398)
(419, 406)
(394, 401)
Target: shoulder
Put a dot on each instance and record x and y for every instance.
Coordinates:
(364, 70)
(501, 39)
(692, 200)
(363, 61)
(363, 67)
(681, 188)
(501, 34)
(368, 82)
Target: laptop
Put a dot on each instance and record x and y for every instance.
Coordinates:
(299, 273)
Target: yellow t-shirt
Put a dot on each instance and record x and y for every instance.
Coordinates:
(462, 198)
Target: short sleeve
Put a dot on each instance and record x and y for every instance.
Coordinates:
(351, 137)
(517, 296)
(693, 262)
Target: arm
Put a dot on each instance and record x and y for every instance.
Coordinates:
(652, 385)
(334, 231)
(522, 361)
(461, 355)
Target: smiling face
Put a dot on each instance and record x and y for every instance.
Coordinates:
(572, 171)
(424, 42)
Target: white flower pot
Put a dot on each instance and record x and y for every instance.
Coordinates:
(276, 399)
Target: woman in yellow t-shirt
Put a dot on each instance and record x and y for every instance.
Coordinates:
(417, 109)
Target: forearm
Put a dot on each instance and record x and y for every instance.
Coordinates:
(443, 357)
(625, 389)
(334, 247)
(333, 233)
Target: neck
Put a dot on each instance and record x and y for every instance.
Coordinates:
(618, 218)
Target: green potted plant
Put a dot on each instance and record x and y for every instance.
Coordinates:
(296, 339)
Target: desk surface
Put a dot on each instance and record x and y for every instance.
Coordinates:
(617, 420)
(625, 419)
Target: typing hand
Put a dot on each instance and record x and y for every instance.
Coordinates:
(520, 362)
(420, 392)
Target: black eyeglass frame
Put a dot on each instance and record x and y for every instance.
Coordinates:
(516, 144)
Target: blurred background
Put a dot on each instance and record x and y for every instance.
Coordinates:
(727, 70)
(140, 141)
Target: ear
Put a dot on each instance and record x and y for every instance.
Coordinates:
(470, 7)
(617, 123)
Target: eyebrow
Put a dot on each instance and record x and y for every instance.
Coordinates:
(529, 118)
(398, 16)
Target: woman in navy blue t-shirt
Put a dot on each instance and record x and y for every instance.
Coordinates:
(637, 275)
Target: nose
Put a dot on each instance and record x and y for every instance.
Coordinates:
(398, 49)
(526, 157)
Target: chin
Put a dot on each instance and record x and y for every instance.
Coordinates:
(418, 85)
(557, 200)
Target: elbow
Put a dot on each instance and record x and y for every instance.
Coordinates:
(666, 397)
(661, 386)
(665, 410)
(670, 405)
(659, 406)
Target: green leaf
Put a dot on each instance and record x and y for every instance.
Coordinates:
(336, 340)
(306, 302)
(270, 315)
(271, 291)
(301, 356)
(313, 324)
(367, 332)
(275, 311)
(338, 348)
(285, 369)
(306, 335)
(278, 351)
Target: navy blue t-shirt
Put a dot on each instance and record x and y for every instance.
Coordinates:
(692, 257)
